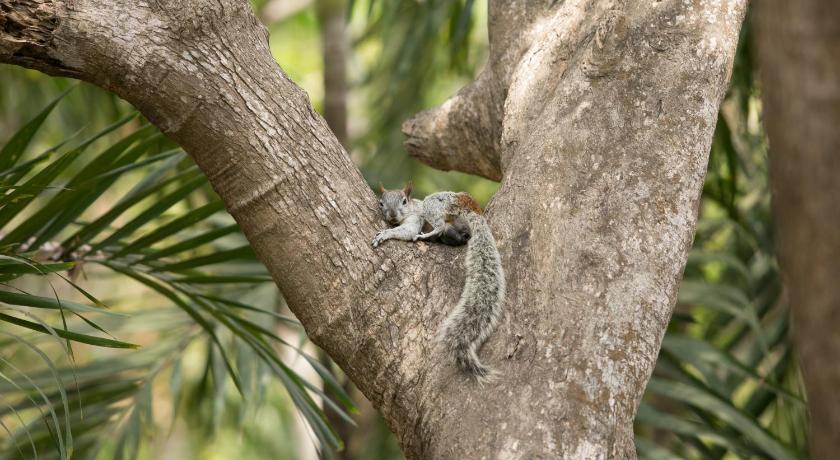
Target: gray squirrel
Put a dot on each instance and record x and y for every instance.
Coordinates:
(477, 311)
(398, 208)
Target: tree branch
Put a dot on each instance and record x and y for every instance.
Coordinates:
(460, 135)
(463, 133)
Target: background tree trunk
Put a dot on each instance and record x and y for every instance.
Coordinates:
(799, 56)
(277, 10)
(334, 43)
(597, 116)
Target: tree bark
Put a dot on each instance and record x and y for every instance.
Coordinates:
(799, 56)
(597, 116)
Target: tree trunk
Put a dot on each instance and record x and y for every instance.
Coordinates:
(597, 116)
(334, 44)
(799, 56)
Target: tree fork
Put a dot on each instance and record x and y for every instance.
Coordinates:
(597, 116)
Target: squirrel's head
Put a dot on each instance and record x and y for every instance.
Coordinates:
(393, 203)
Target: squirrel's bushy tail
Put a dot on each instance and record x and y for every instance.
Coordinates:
(478, 310)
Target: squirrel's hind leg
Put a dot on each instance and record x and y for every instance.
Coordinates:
(425, 236)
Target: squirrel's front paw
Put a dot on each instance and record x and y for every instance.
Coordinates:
(379, 238)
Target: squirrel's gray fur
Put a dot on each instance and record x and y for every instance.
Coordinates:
(477, 312)
(398, 208)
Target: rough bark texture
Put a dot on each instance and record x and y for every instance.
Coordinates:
(799, 52)
(596, 115)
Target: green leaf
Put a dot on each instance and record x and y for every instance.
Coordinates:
(648, 450)
(10, 409)
(28, 300)
(190, 310)
(337, 389)
(243, 252)
(243, 306)
(151, 184)
(190, 243)
(211, 279)
(12, 271)
(13, 175)
(76, 337)
(22, 197)
(689, 349)
(725, 411)
(699, 256)
(720, 297)
(13, 150)
(184, 221)
(648, 415)
(153, 212)
(64, 443)
(88, 185)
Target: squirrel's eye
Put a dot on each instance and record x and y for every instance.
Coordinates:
(381, 204)
(405, 201)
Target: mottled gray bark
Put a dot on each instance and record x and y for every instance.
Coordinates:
(799, 56)
(596, 115)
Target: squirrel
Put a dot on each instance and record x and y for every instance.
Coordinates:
(480, 305)
(398, 208)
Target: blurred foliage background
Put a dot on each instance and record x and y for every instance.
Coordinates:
(112, 240)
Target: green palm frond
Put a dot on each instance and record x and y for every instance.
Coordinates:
(168, 234)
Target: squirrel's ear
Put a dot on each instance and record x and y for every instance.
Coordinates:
(381, 188)
(407, 189)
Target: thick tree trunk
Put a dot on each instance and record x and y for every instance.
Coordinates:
(596, 115)
(799, 54)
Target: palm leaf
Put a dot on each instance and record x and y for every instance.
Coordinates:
(181, 259)
(14, 148)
